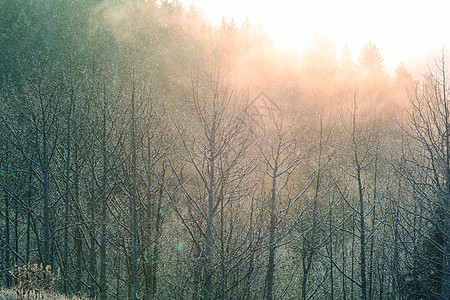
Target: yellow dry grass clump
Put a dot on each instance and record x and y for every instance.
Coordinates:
(34, 282)
(11, 294)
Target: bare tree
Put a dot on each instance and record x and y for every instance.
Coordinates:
(426, 165)
(356, 165)
(42, 108)
(313, 230)
(215, 165)
(281, 153)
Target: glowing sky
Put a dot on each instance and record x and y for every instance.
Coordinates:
(410, 31)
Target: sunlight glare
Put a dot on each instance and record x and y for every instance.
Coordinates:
(401, 29)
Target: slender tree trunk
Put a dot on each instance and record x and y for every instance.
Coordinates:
(6, 246)
(445, 284)
(371, 251)
(222, 247)
(157, 234)
(305, 272)
(154, 228)
(78, 217)
(397, 275)
(45, 196)
(361, 213)
(92, 246)
(210, 220)
(309, 243)
(16, 234)
(134, 258)
(248, 277)
(445, 290)
(196, 279)
(362, 236)
(352, 286)
(104, 195)
(344, 256)
(67, 221)
(330, 228)
(272, 237)
(29, 216)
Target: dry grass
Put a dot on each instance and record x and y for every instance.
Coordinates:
(34, 282)
(11, 294)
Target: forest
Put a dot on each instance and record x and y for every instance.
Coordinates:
(148, 154)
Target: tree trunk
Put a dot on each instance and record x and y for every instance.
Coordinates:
(92, 246)
(209, 225)
(78, 219)
(6, 246)
(134, 257)
(29, 216)
(362, 236)
(67, 220)
(45, 197)
(272, 238)
(104, 201)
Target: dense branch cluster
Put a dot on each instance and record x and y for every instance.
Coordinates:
(146, 154)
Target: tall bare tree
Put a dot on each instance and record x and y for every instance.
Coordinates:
(426, 165)
(214, 154)
(281, 153)
(356, 163)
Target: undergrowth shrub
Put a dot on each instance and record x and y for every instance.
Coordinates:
(33, 281)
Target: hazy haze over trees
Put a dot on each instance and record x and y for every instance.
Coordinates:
(147, 154)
